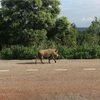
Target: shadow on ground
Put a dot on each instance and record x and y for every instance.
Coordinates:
(33, 63)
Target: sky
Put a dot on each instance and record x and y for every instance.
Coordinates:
(80, 12)
(0, 3)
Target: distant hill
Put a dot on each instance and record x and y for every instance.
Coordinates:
(81, 28)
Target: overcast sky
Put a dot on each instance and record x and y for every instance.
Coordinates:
(0, 3)
(80, 12)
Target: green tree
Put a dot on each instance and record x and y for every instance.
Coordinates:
(91, 35)
(87, 38)
(94, 31)
(72, 36)
(60, 30)
(64, 32)
(95, 26)
(21, 20)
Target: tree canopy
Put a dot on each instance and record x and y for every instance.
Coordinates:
(23, 20)
(36, 23)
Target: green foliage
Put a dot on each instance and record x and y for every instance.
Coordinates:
(91, 36)
(95, 26)
(29, 25)
(64, 33)
(95, 52)
(23, 52)
(19, 52)
(65, 52)
(22, 20)
(6, 53)
(80, 52)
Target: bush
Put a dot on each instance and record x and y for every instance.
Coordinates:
(95, 52)
(19, 52)
(80, 52)
(6, 53)
(65, 52)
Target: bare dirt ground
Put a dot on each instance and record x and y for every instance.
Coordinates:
(64, 80)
